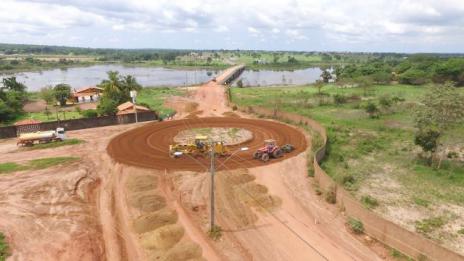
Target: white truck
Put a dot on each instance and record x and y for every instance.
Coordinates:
(28, 139)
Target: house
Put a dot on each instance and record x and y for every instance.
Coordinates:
(129, 108)
(88, 94)
(27, 125)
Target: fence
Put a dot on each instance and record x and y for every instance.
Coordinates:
(77, 124)
(393, 235)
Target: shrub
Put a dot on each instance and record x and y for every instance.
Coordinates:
(369, 202)
(215, 232)
(428, 225)
(372, 110)
(234, 108)
(356, 225)
(4, 249)
(339, 99)
(452, 155)
(89, 113)
(461, 231)
(331, 196)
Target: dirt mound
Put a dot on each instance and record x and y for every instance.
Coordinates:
(162, 238)
(254, 188)
(184, 251)
(147, 202)
(241, 178)
(191, 106)
(141, 183)
(231, 114)
(148, 145)
(152, 221)
(230, 136)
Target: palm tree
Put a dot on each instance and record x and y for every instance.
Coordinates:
(129, 83)
(112, 84)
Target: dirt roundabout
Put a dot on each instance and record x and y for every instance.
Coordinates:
(148, 145)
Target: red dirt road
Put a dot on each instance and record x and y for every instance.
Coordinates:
(148, 146)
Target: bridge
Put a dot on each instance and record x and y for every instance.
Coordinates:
(230, 74)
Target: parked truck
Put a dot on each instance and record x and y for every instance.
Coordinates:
(29, 139)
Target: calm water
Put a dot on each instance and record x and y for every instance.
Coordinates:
(155, 76)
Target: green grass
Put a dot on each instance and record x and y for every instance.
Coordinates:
(10, 167)
(429, 225)
(36, 164)
(4, 248)
(356, 225)
(369, 202)
(155, 97)
(359, 146)
(69, 115)
(362, 150)
(66, 142)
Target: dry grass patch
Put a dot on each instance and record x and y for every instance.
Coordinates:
(152, 221)
(162, 238)
(141, 183)
(147, 202)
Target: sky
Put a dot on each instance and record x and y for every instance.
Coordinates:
(301, 25)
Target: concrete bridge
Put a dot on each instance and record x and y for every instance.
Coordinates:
(230, 74)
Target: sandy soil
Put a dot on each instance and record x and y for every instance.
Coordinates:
(97, 209)
(284, 221)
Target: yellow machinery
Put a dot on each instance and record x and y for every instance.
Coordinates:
(201, 146)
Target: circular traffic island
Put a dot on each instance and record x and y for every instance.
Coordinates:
(148, 146)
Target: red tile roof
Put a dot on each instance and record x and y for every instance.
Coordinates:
(128, 107)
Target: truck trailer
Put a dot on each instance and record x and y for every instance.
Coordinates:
(29, 139)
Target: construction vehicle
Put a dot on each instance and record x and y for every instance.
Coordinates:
(29, 139)
(199, 147)
(271, 149)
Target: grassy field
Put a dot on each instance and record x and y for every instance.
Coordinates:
(4, 249)
(155, 97)
(375, 158)
(36, 164)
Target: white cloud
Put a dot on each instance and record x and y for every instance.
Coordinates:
(353, 21)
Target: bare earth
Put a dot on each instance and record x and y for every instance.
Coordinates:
(97, 209)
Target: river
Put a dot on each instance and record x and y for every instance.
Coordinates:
(156, 76)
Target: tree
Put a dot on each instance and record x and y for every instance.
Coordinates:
(240, 83)
(62, 92)
(326, 76)
(11, 84)
(116, 90)
(319, 84)
(427, 139)
(364, 82)
(413, 76)
(372, 110)
(442, 109)
(12, 97)
(47, 94)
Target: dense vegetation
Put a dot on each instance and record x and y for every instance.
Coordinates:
(12, 97)
(415, 70)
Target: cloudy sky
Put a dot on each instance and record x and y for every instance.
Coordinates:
(320, 25)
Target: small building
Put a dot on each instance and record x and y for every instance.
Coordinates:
(27, 125)
(129, 108)
(126, 112)
(88, 94)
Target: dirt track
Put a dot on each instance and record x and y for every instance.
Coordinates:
(148, 146)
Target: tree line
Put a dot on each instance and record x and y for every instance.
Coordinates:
(415, 70)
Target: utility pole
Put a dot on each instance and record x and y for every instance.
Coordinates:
(212, 187)
(133, 94)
